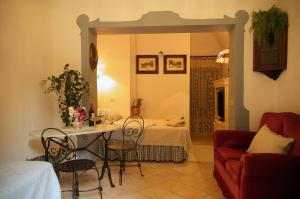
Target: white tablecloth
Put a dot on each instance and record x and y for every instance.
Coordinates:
(28, 180)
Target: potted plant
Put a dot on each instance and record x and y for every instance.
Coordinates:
(266, 25)
(69, 86)
(135, 108)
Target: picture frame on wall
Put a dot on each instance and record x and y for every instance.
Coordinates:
(174, 64)
(146, 64)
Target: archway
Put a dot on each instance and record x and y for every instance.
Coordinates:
(170, 22)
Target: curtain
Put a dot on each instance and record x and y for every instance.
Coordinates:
(204, 70)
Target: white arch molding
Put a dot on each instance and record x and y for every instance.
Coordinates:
(170, 22)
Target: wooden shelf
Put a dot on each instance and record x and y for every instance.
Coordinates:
(271, 59)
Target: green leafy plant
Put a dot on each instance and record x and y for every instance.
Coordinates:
(137, 102)
(266, 24)
(69, 86)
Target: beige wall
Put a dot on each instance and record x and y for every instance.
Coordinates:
(163, 94)
(161, 97)
(38, 37)
(208, 43)
(263, 94)
(114, 73)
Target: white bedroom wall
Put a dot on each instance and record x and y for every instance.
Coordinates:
(208, 43)
(114, 73)
(163, 94)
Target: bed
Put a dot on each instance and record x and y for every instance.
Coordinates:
(159, 142)
(28, 180)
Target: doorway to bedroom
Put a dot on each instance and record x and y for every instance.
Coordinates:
(208, 66)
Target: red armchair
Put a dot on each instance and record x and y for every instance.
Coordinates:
(241, 175)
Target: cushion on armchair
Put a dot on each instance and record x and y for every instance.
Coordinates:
(266, 141)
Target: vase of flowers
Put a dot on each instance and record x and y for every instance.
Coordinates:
(77, 115)
(69, 86)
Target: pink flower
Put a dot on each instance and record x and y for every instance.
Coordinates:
(79, 113)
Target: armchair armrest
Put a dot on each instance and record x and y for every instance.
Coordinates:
(231, 138)
(267, 164)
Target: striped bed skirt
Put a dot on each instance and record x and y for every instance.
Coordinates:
(151, 153)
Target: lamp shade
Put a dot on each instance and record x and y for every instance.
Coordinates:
(223, 56)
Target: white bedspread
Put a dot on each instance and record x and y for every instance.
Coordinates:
(28, 180)
(158, 133)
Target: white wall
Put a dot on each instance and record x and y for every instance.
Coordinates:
(208, 43)
(114, 76)
(38, 37)
(263, 94)
(161, 97)
(163, 94)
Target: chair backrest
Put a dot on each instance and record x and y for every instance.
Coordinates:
(58, 146)
(275, 120)
(133, 129)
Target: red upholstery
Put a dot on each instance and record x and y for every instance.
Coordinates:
(258, 176)
(233, 139)
(292, 129)
(275, 120)
(225, 153)
(234, 168)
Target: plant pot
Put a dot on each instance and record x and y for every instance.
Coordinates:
(135, 110)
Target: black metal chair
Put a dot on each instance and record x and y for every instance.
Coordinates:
(132, 130)
(61, 151)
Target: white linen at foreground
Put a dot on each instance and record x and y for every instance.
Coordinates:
(28, 180)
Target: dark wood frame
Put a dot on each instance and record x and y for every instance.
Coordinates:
(139, 57)
(271, 59)
(93, 56)
(166, 57)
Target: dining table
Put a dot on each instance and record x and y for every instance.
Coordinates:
(103, 131)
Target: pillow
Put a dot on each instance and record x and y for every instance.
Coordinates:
(266, 141)
(110, 116)
(113, 117)
(175, 123)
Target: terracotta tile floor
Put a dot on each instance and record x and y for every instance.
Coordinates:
(191, 180)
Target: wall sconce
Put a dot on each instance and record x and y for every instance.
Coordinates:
(99, 74)
(106, 84)
(100, 69)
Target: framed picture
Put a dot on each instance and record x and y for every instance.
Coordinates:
(174, 64)
(146, 64)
